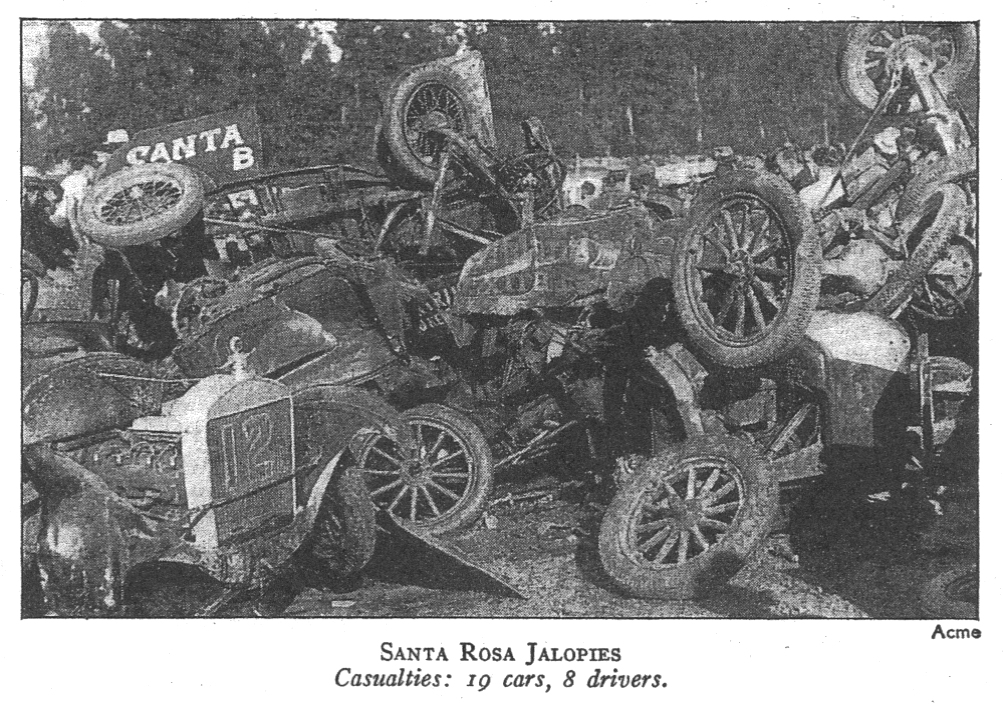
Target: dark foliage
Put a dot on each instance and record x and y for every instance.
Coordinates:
(599, 87)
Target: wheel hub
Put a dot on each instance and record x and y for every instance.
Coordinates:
(740, 265)
(416, 473)
(691, 512)
(434, 120)
(918, 46)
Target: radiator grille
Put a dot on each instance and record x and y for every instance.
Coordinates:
(250, 455)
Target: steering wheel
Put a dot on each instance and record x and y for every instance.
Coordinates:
(540, 173)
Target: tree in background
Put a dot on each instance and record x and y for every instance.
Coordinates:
(621, 88)
(527, 77)
(67, 103)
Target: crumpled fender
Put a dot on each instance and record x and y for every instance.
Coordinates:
(331, 417)
(292, 338)
(559, 263)
(84, 394)
(89, 538)
(332, 422)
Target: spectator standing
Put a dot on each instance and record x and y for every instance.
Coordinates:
(74, 186)
(86, 168)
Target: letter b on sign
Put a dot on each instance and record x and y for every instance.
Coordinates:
(243, 158)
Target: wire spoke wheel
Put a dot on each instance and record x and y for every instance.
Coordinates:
(140, 201)
(420, 105)
(431, 107)
(439, 478)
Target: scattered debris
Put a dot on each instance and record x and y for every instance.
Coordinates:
(423, 329)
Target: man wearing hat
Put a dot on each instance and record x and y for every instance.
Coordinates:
(114, 140)
(84, 173)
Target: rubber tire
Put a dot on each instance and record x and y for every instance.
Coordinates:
(946, 225)
(949, 169)
(149, 229)
(343, 537)
(753, 522)
(787, 330)
(471, 505)
(386, 159)
(395, 146)
(859, 87)
(935, 603)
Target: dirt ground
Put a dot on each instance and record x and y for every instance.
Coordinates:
(539, 560)
(866, 552)
(558, 574)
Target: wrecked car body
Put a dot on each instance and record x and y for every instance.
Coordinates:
(897, 210)
(443, 193)
(321, 342)
(407, 338)
(529, 310)
(238, 476)
(564, 262)
(689, 516)
(285, 213)
(746, 271)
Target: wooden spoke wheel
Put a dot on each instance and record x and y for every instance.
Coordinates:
(747, 272)
(439, 479)
(688, 519)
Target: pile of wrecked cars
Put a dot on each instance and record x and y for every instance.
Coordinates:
(262, 373)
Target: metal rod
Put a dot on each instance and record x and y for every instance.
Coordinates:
(785, 434)
(385, 228)
(433, 206)
(517, 455)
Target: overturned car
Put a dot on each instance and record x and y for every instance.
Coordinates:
(397, 341)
